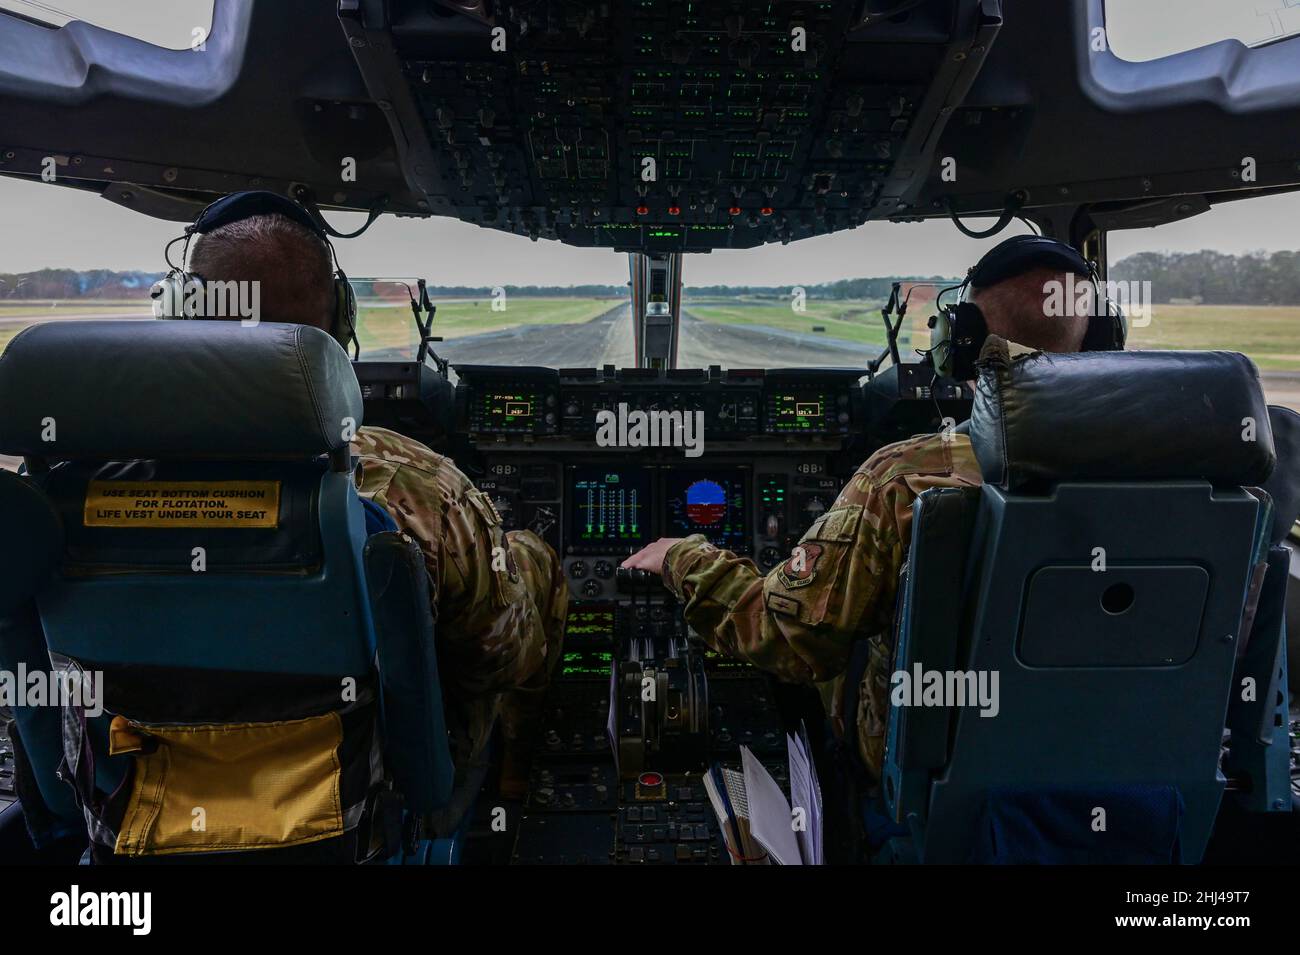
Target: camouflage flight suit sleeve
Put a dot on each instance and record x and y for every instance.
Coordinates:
(839, 584)
(500, 599)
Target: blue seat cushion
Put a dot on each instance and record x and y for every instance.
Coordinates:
(1128, 825)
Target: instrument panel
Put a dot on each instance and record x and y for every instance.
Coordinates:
(736, 404)
(601, 462)
(663, 125)
(595, 515)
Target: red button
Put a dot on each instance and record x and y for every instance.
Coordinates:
(650, 779)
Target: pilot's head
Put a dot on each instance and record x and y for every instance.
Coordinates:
(293, 266)
(1018, 308)
(1037, 292)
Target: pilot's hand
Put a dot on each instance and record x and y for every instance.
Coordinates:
(651, 557)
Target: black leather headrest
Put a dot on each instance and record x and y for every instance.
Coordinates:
(1145, 415)
(33, 540)
(194, 389)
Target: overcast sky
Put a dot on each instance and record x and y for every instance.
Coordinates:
(49, 226)
(1149, 29)
(166, 23)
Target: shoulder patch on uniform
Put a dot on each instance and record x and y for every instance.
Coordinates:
(801, 568)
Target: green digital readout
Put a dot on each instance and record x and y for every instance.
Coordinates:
(589, 624)
(504, 410)
(610, 506)
(796, 412)
(586, 663)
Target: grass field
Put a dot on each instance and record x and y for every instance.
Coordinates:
(15, 316)
(1269, 335)
(851, 321)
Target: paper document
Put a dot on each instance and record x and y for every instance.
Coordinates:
(758, 824)
(769, 813)
(805, 795)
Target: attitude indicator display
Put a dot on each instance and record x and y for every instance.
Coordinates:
(712, 503)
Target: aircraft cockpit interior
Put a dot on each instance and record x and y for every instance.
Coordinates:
(651, 432)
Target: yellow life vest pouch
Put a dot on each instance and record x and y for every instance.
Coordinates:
(229, 787)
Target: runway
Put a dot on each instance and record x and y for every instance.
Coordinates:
(607, 340)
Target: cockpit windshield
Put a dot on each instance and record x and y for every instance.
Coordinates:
(819, 303)
(386, 329)
(500, 299)
(813, 304)
(503, 325)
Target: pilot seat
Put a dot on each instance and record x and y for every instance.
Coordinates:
(1102, 573)
(244, 648)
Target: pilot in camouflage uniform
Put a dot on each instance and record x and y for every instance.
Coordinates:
(500, 598)
(838, 586)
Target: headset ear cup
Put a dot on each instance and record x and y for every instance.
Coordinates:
(941, 343)
(1106, 332)
(345, 312)
(1119, 327)
(1108, 325)
(168, 295)
(967, 332)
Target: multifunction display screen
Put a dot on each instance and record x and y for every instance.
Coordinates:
(793, 411)
(505, 410)
(610, 505)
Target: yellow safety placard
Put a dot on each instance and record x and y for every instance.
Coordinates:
(163, 504)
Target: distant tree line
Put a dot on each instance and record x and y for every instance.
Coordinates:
(536, 291)
(1214, 278)
(103, 284)
(874, 289)
(70, 284)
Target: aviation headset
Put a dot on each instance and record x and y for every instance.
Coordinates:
(169, 294)
(960, 329)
